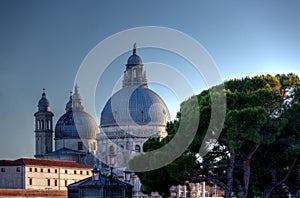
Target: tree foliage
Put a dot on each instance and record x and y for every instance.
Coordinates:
(258, 150)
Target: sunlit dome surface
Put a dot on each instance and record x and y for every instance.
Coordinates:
(134, 106)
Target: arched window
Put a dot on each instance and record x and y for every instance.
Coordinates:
(39, 125)
(42, 124)
(137, 148)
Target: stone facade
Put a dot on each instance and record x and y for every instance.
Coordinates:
(36, 174)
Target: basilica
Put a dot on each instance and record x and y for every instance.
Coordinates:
(129, 118)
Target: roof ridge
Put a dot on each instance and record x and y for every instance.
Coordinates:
(43, 162)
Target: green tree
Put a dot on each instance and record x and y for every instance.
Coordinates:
(263, 113)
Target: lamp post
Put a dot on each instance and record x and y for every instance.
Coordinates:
(95, 173)
(111, 162)
(127, 175)
(127, 178)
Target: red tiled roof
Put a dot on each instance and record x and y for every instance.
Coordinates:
(4, 162)
(42, 162)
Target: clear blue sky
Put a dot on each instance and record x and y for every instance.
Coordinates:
(42, 44)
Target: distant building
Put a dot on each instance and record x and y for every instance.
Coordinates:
(39, 174)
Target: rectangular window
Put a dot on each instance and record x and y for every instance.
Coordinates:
(30, 181)
(55, 182)
(18, 169)
(75, 172)
(2, 169)
(30, 169)
(87, 172)
(49, 170)
(42, 170)
(35, 169)
(80, 146)
(66, 182)
(66, 171)
(49, 183)
(80, 172)
(55, 170)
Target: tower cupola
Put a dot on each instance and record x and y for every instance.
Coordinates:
(134, 74)
(44, 104)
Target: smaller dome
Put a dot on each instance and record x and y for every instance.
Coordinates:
(44, 103)
(78, 124)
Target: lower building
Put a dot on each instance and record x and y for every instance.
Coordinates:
(39, 174)
(101, 184)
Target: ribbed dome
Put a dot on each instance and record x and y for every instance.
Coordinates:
(134, 105)
(85, 126)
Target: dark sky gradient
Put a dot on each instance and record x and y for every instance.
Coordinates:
(42, 44)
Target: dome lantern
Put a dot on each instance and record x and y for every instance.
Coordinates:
(134, 74)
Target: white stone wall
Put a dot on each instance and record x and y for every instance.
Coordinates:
(138, 130)
(57, 177)
(125, 147)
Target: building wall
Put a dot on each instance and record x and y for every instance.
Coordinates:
(33, 177)
(74, 158)
(125, 148)
(53, 178)
(11, 177)
(87, 144)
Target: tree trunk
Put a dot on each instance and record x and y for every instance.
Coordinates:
(246, 177)
(229, 173)
(274, 183)
(246, 168)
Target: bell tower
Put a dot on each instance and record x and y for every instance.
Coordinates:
(43, 128)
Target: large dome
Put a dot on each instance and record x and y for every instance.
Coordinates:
(135, 106)
(85, 126)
